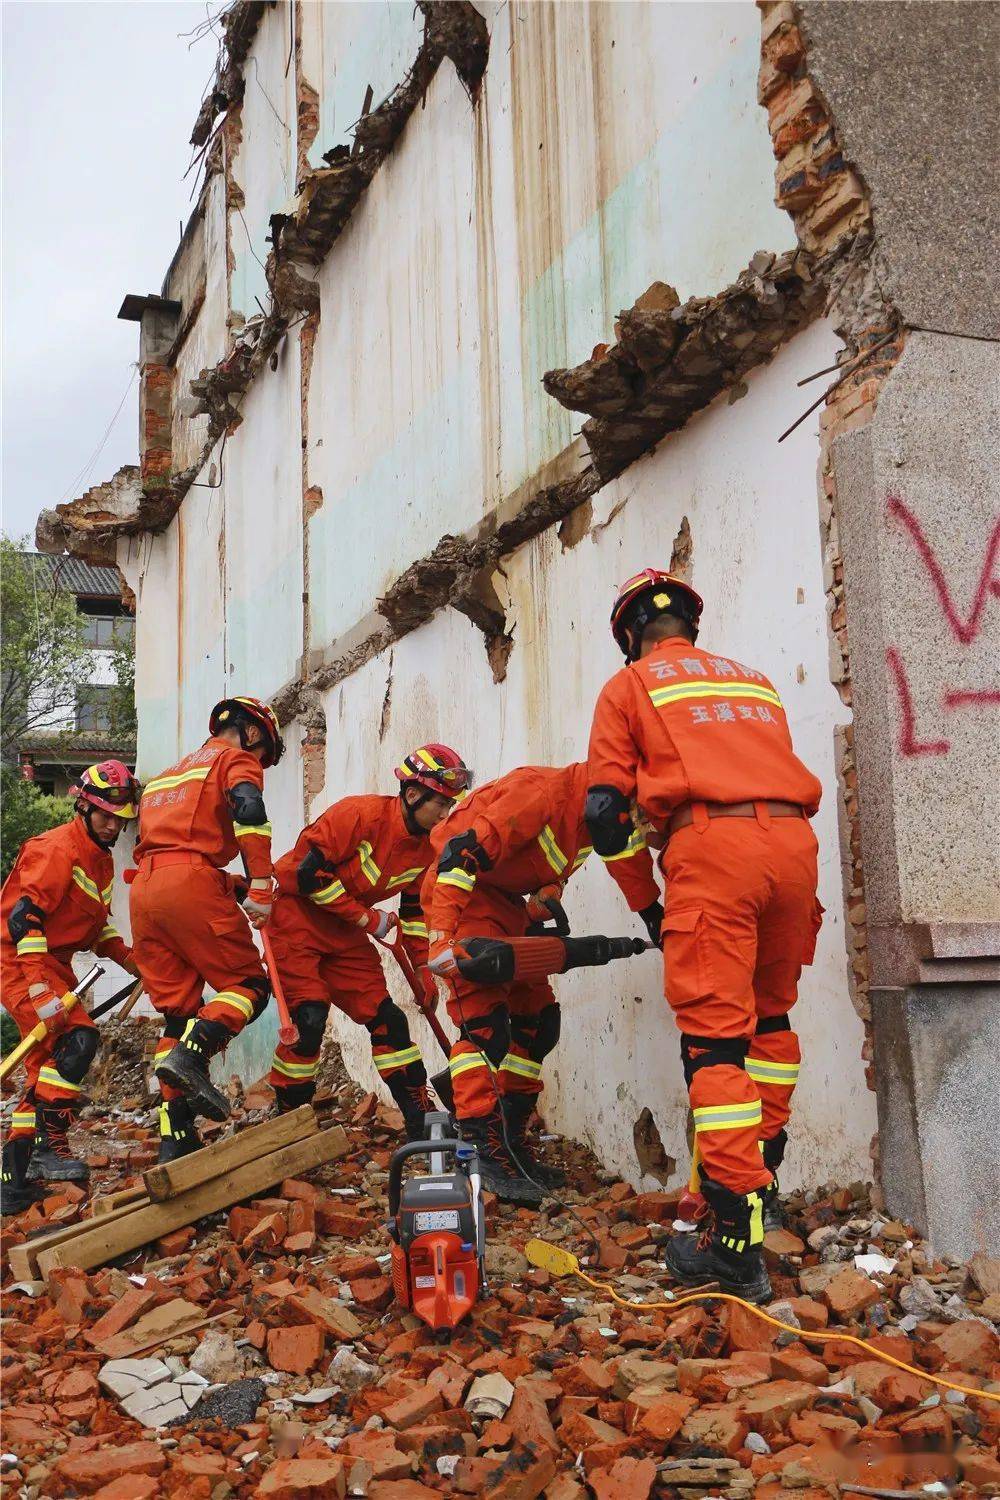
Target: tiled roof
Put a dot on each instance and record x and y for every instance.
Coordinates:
(78, 577)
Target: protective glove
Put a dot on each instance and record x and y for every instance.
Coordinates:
(258, 902)
(428, 984)
(545, 906)
(442, 959)
(378, 924)
(652, 915)
(50, 1008)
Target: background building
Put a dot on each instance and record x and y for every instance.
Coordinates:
(483, 307)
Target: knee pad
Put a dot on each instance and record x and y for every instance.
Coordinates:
(74, 1052)
(310, 1018)
(547, 1031)
(774, 1151)
(768, 1024)
(490, 1033)
(260, 989)
(712, 1051)
(389, 1026)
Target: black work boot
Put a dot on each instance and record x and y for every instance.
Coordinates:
(729, 1249)
(414, 1101)
(517, 1109)
(185, 1067)
(51, 1159)
(774, 1154)
(498, 1171)
(16, 1192)
(178, 1136)
(292, 1097)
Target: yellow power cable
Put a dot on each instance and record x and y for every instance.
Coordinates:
(561, 1262)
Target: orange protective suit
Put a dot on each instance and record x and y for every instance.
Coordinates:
(356, 855)
(531, 828)
(68, 878)
(685, 731)
(187, 929)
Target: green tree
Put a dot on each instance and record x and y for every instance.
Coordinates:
(25, 811)
(122, 705)
(43, 654)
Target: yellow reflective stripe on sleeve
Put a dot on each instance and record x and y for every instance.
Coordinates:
(551, 850)
(295, 1070)
(467, 1061)
(584, 853)
(87, 886)
(33, 944)
(636, 843)
(460, 878)
(329, 893)
(108, 932)
(407, 877)
(247, 830)
(371, 870)
(523, 1067)
(55, 1080)
(681, 691)
(727, 1116)
(413, 929)
(163, 783)
(387, 1062)
(763, 1071)
(235, 1002)
(106, 893)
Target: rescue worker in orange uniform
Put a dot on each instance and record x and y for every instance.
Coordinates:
(56, 901)
(187, 928)
(702, 743)
(504, 856)
(360, 852)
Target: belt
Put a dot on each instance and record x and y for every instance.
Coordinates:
(685, 816)
(169, 857)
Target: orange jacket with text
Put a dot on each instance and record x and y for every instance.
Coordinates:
(186, 808)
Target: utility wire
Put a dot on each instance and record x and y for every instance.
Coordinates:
(84, 473)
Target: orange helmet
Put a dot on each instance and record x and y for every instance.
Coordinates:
(651, 593)
(110, 786)
(437, 768)
(237, 713)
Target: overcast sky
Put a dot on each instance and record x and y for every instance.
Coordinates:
(98, 104)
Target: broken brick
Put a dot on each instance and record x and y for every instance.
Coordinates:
(304, 1479)
(87, 1472)
(297, 1349)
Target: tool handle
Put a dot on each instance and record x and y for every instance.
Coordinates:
(402, 958)
(40, 1032)
(288, 1032)
(126, 993)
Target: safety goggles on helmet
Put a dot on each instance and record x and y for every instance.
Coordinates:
(236, 713)
(648, 594)
(437, 768)
(110, 786)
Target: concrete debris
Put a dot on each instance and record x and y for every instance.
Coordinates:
(672, 360)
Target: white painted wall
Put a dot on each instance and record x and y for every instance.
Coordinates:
(496, 241)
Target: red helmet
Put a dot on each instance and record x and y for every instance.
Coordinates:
(651, 593)
(236, 713)
(437, 768)
(109, 786)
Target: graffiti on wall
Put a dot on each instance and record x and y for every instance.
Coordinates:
(964, 627)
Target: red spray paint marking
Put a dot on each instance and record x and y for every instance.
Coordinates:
(963, 630)
(908, 742)
(954, 698)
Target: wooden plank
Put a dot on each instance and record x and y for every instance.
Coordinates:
(125, 1197)
(24, 1258)
(168, 1181)
(111, 1236)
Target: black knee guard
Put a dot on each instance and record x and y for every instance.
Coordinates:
(390, 1028)
(774, 1151)
(491, 1034)
(538, 1034)
(310, 1018)
(260, 989)
(712, 1051)
(74, 1052)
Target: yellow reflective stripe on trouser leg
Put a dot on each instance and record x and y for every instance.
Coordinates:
(523, 1067)
(467, 1061)
(388, 1062)
(23, 1120)
(55, 1080)
(762, 1070)
(727, 1116)
(32, 945)
(298, 1071)
(235, 1002)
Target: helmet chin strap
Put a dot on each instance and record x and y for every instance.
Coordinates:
(410, 809)
(86, 811)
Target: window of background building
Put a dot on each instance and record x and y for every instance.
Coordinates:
(104, 622)
(93, 709)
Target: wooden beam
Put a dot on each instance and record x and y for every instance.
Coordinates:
(176, 1177)
(110, 1236)
(24, 1258)
(125, 1197)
